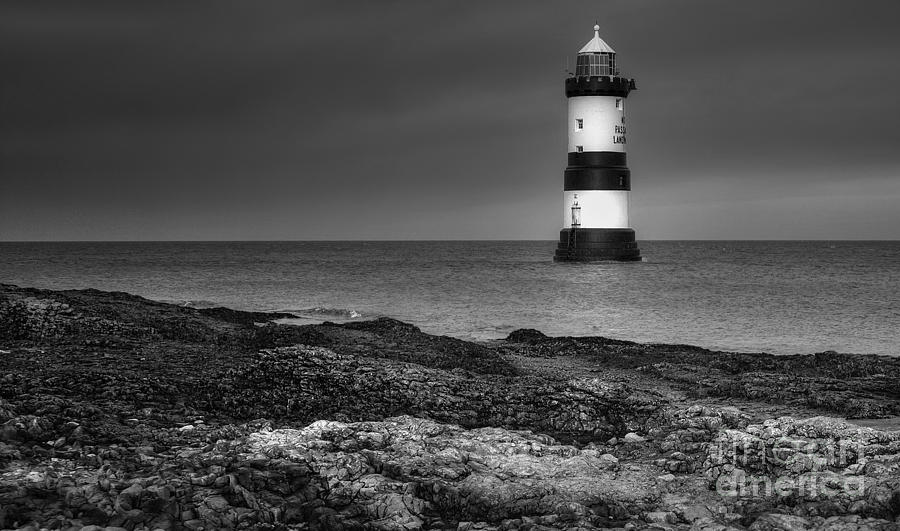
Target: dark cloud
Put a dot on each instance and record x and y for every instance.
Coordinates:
(307, 120)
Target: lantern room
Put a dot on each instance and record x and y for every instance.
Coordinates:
(596, 58)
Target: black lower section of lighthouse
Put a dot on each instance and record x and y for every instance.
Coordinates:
(593, 245)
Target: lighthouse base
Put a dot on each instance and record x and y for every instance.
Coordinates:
(595, 245)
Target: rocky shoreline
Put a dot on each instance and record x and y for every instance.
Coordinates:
(120, 412)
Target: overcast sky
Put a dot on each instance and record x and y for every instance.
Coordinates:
(436, 120)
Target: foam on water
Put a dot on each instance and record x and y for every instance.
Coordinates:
(192, 303)
(341, 313)
(320, 315)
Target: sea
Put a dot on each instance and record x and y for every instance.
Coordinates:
(780, 297)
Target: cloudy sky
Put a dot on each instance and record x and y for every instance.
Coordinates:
(440, 120)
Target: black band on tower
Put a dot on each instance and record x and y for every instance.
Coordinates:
(599, 86)
(592, 178)
(597, 158)
(597, 170)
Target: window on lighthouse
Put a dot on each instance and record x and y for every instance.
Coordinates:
(620, 105)
(595, 64)
(579, 123)
(579, 149)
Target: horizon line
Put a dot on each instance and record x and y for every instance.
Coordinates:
(385, 240)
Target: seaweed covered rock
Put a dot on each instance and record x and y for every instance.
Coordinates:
(308, 383)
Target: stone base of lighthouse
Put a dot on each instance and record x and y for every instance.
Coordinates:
(595, 245)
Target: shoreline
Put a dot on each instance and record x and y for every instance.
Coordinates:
(783, 299)
(141, 397)
(341, 316)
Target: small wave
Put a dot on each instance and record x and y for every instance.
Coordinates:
(340, 313)
(198, 303)
(319, 315)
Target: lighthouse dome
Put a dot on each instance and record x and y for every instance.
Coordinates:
(596, 58)
(596, 45)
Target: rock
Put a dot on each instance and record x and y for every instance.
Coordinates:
(780, 522)
(216, 503)
(660, 517)
(130, 497)
(609, 459)
(463, 463)
(694, 512)
(525, 335)
(632, 437)
(375, 424)
(578, 408)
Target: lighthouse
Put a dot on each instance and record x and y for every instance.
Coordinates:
(597, 179)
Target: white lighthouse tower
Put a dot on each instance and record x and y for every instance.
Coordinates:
(597, 179)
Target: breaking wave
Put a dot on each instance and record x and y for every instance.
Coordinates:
(322, 313)
(198, 303)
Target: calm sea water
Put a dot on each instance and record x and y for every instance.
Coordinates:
(780, 297)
